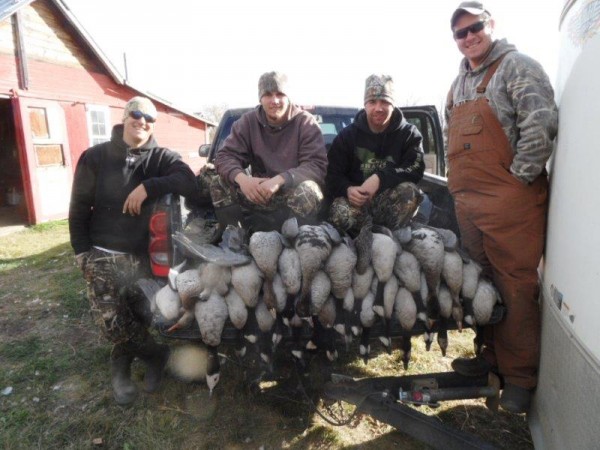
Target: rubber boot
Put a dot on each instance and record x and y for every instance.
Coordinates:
(124, 389)
(155, 356)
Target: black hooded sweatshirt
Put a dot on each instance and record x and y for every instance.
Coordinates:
(105, 175)
(395, 155)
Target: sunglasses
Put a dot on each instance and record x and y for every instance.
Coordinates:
(137, 115)
(474, 28)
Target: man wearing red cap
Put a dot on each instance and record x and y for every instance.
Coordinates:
(502, 120)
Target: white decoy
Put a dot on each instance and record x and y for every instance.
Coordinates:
(265, 248)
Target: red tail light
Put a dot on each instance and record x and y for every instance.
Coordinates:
(159, 244)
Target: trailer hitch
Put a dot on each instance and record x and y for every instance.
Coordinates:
(387, 400)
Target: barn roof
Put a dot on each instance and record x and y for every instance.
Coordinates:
(9, 7)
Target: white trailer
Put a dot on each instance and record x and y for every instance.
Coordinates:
(566, 407)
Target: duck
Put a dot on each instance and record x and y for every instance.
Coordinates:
(265, 248)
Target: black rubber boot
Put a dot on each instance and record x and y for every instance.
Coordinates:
(515, 399)
(124, 390)
(472, 367)
(155, 356)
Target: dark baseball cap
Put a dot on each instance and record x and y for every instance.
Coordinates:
(475, 8)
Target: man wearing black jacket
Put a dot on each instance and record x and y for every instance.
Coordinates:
(114, 189)
(371, 160)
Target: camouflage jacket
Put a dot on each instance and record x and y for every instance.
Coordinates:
(521, 96)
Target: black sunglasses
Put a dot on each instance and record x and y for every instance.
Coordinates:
(137, 115)
(474, 28)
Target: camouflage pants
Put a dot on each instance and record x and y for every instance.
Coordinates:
(303, 201)
(392, 208)
(118, 307)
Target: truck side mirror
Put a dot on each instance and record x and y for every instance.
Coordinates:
(203, 150)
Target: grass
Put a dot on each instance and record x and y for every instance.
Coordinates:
(55, 381)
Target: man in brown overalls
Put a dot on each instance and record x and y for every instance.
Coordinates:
(502, 120)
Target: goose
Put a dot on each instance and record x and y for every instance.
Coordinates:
(486, 297)
(280, 305)
(265, 247)
(313, 245)
(405, 311)
(211, 316)
(291, 276)
(168, 303)
(471, 273)
(247, 281)
(189, 286)
(408, 270)
(367, 319)
(446, 303)
(364, 246)
(361, 285)
(383, 257)
(452, 274)
(389, 298)
(265, 321)
(427, 246)
(320, 289)
(323, 333)
(238, 315)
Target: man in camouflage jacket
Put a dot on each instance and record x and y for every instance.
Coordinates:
(502, 120)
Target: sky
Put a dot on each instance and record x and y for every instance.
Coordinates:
(197, 54)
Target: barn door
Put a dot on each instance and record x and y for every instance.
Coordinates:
(45, 153)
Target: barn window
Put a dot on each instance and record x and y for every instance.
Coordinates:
(39, 123)
(98, 119)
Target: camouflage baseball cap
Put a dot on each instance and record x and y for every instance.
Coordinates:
(475, 8)
(141, 104)
(380, 87)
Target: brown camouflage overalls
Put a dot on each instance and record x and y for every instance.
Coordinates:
(502, 223)
(118, 307)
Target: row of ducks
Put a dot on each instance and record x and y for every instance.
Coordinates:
(278, 282)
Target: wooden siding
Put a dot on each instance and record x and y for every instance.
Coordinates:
(7, 40)
(49, 37)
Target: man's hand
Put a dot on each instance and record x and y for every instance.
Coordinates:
(133, 202)
(371, 186)
(250, 187)
(357, 196)
(270, 186)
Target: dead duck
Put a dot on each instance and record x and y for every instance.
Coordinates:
(265, 247)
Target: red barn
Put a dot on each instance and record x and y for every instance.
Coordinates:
(58, 96)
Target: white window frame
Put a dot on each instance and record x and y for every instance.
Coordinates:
(105, 111)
